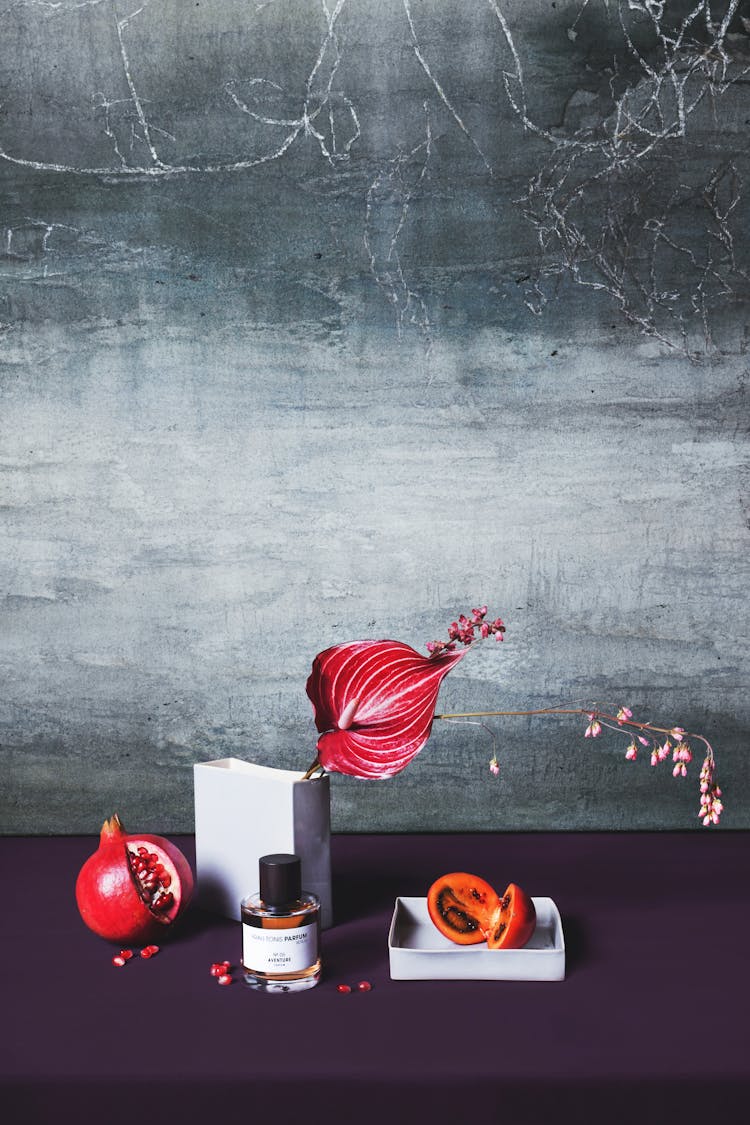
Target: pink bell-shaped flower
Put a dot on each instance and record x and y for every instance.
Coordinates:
(374, 702)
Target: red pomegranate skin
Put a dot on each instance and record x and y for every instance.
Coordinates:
(110, 895)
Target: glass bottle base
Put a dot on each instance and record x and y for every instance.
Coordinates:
(263, 982)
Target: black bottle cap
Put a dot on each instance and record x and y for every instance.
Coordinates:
(280, 879)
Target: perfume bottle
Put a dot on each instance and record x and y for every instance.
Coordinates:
(281, 929)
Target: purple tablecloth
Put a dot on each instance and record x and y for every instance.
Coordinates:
(650, 1024)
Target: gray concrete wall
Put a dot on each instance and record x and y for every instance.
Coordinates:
(322, 321)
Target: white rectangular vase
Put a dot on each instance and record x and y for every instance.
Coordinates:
(244, 811)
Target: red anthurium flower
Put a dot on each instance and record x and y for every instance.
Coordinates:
(374, 702)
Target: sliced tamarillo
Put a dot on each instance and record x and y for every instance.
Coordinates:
(514, 921)
(462, 907)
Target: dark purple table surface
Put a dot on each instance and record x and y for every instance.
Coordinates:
(650, 1024)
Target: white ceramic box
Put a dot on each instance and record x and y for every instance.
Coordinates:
(418, 951)
(244, 811)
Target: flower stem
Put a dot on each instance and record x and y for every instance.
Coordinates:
(560, 711)
(539, 711)
(315, 766)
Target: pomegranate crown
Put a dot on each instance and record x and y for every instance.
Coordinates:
(112, 829)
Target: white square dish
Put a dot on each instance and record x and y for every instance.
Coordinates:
(418, 951)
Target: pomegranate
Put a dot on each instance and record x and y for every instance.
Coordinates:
(133, 887)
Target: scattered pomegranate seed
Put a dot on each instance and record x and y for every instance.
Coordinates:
(126, 953)
(364, 986)
(146, 953)
(224, 979)
(343, 988)
(119, 961)
(219, 968)
(153, 949)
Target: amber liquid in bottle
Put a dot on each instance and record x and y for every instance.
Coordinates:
(281, 930)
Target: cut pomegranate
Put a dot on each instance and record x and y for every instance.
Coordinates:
(133, 887)
(153, 878)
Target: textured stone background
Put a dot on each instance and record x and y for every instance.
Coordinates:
(271, 380)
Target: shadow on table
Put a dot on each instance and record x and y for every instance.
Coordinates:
(197, 921)
(355, 898)
(576, 945)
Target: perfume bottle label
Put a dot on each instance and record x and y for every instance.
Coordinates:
(279, 951)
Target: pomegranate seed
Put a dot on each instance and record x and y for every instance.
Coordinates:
(364, 986)
(153, 949)
(224, 979)
(146, 953)
(220, 967)
(126, 953)
(343, 988)
(119, 961)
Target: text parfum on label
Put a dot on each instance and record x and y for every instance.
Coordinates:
(281, 929)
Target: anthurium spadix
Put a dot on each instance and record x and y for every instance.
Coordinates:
(374, 703)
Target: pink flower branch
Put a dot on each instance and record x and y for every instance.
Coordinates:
(675, 746)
